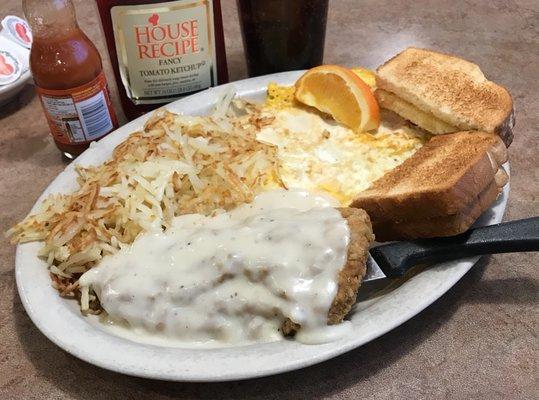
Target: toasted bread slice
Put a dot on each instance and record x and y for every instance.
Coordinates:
(438, 226)
(452, 90)
(421, 118)
(352, 273)
(440, 179)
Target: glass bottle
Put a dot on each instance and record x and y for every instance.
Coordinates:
(163, 50)
(69, 78)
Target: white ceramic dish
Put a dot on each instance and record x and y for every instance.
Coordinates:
(9, 92)
(62, 323)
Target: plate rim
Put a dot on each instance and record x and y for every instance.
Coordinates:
(28, 299)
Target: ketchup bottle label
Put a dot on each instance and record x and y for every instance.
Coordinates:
(165, 49)
(80, 114)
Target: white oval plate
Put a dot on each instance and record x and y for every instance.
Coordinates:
(61, 322)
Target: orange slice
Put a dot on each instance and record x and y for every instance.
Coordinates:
(338, 91)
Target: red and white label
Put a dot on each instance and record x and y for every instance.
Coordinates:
(165, 50)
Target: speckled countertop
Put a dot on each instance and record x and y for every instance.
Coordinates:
(478, 341)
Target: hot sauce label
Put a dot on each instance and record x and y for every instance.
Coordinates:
(81, 114)
(165, 50)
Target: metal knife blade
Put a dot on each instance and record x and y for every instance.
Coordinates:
(373, 270)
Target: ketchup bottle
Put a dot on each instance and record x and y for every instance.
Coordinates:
(163, 50)
(69, 77)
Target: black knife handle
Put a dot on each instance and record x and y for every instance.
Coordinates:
(515, 236)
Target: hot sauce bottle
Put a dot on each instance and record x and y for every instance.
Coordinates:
(69, 77)
(163, 50)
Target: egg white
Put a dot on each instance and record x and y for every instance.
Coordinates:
(319, 154)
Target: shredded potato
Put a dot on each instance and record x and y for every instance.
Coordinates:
(175, 165)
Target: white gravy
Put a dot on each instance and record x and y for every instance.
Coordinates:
(232, 278)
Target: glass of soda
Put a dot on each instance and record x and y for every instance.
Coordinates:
(282, 35)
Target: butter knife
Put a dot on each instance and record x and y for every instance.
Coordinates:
(393, 260)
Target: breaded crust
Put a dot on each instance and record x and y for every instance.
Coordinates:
(352, 273)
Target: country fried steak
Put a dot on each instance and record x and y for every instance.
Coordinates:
(352, 273)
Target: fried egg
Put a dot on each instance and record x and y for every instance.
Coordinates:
(318, 154)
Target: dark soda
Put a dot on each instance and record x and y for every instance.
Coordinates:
(282, 35)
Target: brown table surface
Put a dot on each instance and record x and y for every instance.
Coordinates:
(478, 341)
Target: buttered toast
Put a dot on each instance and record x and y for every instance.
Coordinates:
(440, 190)
(442, 93)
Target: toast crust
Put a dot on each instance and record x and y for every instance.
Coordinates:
(439, 226)
(452, 89)
(440, 179)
